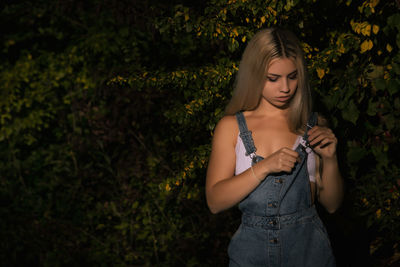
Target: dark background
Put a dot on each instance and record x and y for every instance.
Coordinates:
(107, 111)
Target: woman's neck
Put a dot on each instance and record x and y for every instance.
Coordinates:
(266, 109)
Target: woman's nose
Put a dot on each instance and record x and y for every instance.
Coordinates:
(285, 86)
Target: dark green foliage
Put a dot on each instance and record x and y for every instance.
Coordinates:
(107, 113)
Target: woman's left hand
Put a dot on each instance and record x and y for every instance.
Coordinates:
(323, 141)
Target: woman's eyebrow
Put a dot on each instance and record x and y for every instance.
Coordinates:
(277, 75)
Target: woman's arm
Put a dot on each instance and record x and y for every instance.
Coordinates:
(223, 188)
(330, 186)
(331, 189)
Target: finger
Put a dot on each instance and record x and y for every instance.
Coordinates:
(318, 131)
(322, 145)
(290, 152)
(287, 161)
(313, 129)
(294, 156)
(287, 167)
(326, 142)
(314, 134)
(320, 137)
(290, 159)
(316, 128)
(293, 159)
(290, 164)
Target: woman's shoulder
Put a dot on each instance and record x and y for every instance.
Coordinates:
(227, 123)
(227, 128)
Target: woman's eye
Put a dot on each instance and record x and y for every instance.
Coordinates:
(272, 79)
(294, 77)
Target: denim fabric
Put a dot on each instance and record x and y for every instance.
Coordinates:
(280, 226)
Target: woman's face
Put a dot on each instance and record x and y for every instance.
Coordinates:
(281, 82)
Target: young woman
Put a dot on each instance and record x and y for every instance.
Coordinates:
(274, 157)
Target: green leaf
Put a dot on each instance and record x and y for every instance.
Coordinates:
(371, 111)
(355, 154)
(380, 84)
(351, 113)
(396, 68)
(135, 205)
(389, 121)
(124, 32)
(394, 21)
(397, 103)
(331, 100)
(393, 86)
(398, 39)
(189, 27)
(376, 72)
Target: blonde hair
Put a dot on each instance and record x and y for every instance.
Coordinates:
(266, 45)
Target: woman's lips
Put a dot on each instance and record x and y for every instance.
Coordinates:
(283, 98)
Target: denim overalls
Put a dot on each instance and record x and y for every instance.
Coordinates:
(280, 225)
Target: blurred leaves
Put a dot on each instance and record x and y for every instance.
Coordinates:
(108, 108)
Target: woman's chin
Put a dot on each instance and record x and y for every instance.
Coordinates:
(282, 105)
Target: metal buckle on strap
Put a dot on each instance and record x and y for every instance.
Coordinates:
(253, 157)
(251, 154)
(306, 145)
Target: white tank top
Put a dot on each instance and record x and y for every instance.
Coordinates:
(243, 162)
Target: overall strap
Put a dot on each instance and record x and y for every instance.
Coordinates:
(312, 121)
(245, 135)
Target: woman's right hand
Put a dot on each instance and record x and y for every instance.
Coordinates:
(282, 160)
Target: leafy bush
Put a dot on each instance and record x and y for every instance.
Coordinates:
(108, 108)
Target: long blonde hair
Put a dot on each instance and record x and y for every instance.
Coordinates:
(265, 46)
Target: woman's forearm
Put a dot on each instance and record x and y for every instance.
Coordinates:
(331, 189)
(228, 192)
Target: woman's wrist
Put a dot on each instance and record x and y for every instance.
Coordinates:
(254, 175)
(331, 158)
(264, 168)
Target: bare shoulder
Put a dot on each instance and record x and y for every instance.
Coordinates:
(226, 132)
(222, 158)
(227, 129)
